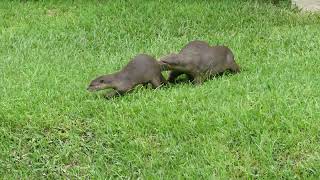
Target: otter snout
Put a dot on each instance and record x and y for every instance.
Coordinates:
(91, 88)
(98, 86)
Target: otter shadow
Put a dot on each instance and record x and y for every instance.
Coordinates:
(183, 79)
(112, 94)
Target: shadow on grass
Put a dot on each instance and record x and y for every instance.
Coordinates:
(181, 80)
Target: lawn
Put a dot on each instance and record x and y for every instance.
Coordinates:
(261, 123)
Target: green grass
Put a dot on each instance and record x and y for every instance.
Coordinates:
(261, 123)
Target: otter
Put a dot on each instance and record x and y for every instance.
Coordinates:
(199, 61)
(142, 69)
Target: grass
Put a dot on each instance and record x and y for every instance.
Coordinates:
(261, 123)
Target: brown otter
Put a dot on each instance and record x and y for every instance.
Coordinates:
(142, 69)
(199, 61)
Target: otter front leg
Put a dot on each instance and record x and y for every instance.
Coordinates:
(173, 75)
(112, 94)
(118, 91)
(190, 77)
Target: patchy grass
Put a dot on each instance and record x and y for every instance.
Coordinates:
(261, 123)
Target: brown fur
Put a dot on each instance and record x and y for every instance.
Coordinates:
(142, 69)
(199, 61)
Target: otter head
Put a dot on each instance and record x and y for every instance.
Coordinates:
(172, 62)
(101, 82)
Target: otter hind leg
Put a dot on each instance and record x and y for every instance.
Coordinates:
(198, 80)
(155, 83)
(158, 81)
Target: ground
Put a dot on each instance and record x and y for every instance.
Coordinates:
(261, 123)
(307, 5)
